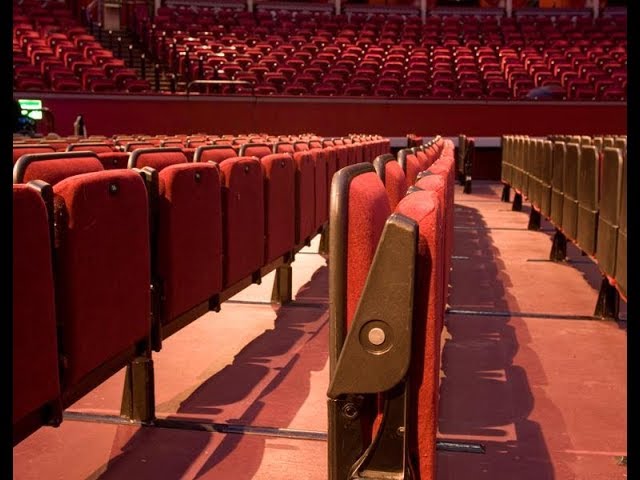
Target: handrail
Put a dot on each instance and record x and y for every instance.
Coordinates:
(219, 82)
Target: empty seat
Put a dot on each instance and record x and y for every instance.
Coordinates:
(36, 384)
(19, 150)
(214, 153)
(156, 158)
(243, 218)
(570, 191)
(609, 218)
(189, 236)
(588, 184)
(305, 197)
(103, 275)
(54, 167)
(392, 176)
(258, 150)
(279, 196)
(557, 183)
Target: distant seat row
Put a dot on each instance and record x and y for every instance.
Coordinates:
(579, 183)
(108, 263)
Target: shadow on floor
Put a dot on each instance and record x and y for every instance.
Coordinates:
(290, 352)
(484, 397)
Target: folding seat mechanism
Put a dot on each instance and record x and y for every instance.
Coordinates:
(375, 359)
(373, 369)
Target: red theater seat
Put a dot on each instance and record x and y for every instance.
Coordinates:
(36, 384)
(279, 193)
(243, 227)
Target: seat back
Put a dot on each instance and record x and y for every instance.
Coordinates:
(557, 182)
(98, 147)
(19, 150)
(392, 176)
(188, 253)
(410, 165)
(156, 158)
(570, 190)
(102, 273)
(588, 184)
(54, 167)
(279, 175)
(36, 384)
(243, 218)
(214, 153)
(257, 150)
(305, 197)
(322, 198)
(621, 252)
(609, 217)
(546, 177)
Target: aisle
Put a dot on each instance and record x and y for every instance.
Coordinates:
(523, 372)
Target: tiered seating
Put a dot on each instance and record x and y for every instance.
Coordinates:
(151, 247)
(53, 51)
(388, 293)
(579, 184)
(450, 56)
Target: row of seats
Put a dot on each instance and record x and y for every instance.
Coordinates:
(579, 183)
(108, 263)
(388, 291)
(53, 51)
(447, 57)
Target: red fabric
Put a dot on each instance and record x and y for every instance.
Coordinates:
(395, 183)
(412, 168)
(423, 160)
(243, 218)
(305, 196)
(279, 196)
(160, 159)
(35, 349)
(285, 148)
(102, 148)
(424, 208)
(446, 166)
(189, 236)
(352, 154)
(438, 184)
(301, 147)
(56, 170)
(189, 152)
(103, 267)
(130, 147)
(114, 160)
(322, 193)
(343, 156)
(19, 151)
(256, 151)
(216, 155)
(368, 211)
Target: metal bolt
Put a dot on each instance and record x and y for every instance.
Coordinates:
(376, 336)
(350, 411)
(198, 176)
(113, 188)
(400, 431)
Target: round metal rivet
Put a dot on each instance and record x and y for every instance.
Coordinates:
(246, 169)
(198, 176)
(376, 336)
(113, 188)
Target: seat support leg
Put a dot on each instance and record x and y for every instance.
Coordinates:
(534, 219)
(506, 193)
(517, 203)
(138, 398)
(282, 285)
(608, 304)
(559, 247)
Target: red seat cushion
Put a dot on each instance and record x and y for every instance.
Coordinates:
(55, 170)
(158, 159)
